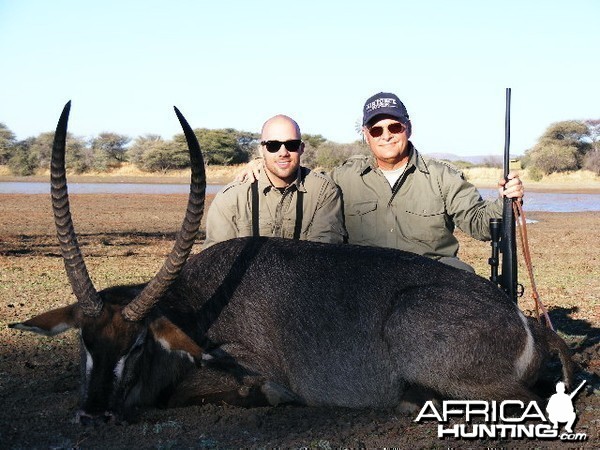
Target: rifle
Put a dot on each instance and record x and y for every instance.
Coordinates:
(574, 393)
(504, 241)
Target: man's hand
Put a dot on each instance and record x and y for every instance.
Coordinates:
(513, 188)
(250, 171)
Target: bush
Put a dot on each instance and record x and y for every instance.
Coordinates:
(22, 161)
(552, 157)
(7, 143)
(592, 162)
(330, 154)
(535, 174)
(460, 164)
(151, 154)
(109, 150)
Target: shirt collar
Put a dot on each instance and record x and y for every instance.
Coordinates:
(265, 185)
(414, 159)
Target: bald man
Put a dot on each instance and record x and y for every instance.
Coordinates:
(287, 200)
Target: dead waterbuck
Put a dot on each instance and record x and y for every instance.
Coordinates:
(264, 321)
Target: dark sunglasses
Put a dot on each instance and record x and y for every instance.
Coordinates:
(394, 128)
(274, 146)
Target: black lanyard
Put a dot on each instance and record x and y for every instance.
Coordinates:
(299, 209)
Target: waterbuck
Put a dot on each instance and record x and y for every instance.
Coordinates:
(264, 320)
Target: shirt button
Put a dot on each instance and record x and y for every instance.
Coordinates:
(391, 230)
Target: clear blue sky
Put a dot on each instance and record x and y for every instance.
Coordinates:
(124, 64)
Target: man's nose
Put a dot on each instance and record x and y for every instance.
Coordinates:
(283, 151)
(386, 135)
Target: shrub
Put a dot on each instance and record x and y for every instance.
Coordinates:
(535, 174)
(22, 161)
(330, 154)
(552, 157)
(592, 162)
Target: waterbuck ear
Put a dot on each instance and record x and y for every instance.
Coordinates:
(173, 339)
(51, 322)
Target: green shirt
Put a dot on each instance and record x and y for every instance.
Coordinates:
(419, 213)
(230, 213)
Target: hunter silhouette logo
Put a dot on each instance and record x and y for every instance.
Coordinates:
(513, 419)
(560, 407)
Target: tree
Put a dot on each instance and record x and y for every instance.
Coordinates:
(41, 148)
(221, 146)
(331, 154)
(314, 140)
(79, 157)
(35, 152)
(152, 154)
(248, 143)
(552, 158)
(593, 133)
(21, 161)
(591, 160)
(7, 142)
(562, 147)
(109, 150)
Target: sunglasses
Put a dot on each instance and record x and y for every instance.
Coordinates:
(394, 128)
(292, 145)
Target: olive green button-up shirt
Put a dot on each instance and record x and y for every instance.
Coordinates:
(419, 213)
(230, 214)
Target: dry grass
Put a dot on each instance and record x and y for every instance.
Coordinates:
(128, 173)
(580, 179)
(479, 176)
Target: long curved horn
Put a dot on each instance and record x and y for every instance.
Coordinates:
(83, 288)
(143, 303)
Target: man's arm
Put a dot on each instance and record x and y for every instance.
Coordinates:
(220, 223)
(328, 219)
(466, 208)
(473, 215)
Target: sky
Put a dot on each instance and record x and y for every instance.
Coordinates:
(233, 64)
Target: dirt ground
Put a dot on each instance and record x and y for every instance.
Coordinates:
(124, 239)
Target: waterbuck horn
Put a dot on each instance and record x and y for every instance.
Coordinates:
(87, 296)
(144, 302)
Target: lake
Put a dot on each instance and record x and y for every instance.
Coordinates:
(534, 201)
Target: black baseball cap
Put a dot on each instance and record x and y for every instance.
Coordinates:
(384, 103)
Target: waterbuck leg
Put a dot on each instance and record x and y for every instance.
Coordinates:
(207, 385)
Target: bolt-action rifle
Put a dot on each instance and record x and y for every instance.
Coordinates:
(503, 230)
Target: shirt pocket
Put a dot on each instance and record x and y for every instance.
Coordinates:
(425, 222)
(244, 227)
(361, 221)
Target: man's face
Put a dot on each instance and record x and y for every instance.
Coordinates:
(388, 139)
(282, 165)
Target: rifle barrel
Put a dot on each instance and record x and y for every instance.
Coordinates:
(507, 135)
(572, 394)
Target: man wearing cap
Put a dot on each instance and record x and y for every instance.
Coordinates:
(287, 200)
(398, 198)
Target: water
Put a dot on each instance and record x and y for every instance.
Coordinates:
(534, 201)
(553, 201)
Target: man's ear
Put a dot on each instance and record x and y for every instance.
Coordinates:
(408, 129)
